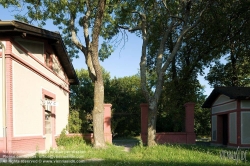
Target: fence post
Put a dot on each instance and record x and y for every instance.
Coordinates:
(144, 122)
(189, 122)
(107, 123)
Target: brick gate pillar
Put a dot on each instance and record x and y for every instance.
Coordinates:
(189, 122)
(144, 122)
(107, 123)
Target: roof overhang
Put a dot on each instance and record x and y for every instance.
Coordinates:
(239, 93)
(17, 28)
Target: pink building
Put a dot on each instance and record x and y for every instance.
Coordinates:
(35, 87)
(230, 116)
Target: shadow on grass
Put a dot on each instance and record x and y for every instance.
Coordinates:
(95, 162)
(126, 142)
(132, 158)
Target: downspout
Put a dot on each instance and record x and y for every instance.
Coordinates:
(4, 93)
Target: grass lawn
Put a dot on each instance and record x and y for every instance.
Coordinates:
(187, 155)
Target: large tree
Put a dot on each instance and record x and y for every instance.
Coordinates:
(124, 94)
(181, 85)
(233, 35)
(223, 30)
(81, 22)
(155, 22)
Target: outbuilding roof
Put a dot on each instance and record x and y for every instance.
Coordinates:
(17, 28)
(232, 92)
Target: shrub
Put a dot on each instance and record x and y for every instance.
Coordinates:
(75, 122)
(64, 140)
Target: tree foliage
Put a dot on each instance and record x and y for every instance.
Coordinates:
(181, 85)
(126, 97)
(81, 22)
(180, 38)
(163, 25)
(123, 93)
(228, 22)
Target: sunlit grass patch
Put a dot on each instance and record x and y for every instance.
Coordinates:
(182, 154)
(168, 154)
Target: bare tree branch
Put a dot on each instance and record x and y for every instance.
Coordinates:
(143, 62)
(170, 15)
(161, 49)
(74, 36)
(130, 29)
(85, 50)
(185, 30)
(86, 25)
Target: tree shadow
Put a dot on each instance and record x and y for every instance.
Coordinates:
(126, 142)
(107, 162)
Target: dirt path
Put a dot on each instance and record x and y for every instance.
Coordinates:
(127, 143)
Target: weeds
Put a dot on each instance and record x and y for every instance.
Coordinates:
(169, 154)
(67, 141)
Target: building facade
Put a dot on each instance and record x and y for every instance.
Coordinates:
(230, 116)
(36, 74)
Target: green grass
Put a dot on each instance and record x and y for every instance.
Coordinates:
(139, 155)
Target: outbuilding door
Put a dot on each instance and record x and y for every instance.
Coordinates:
(225, 129)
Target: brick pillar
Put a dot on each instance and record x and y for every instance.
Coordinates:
(189, 122)
(144, 122)
(107, 123)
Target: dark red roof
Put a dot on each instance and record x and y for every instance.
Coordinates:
(242, 93)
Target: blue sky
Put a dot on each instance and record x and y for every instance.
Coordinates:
(124, 61)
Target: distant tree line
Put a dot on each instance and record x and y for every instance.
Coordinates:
(125, 95)
(179, 40)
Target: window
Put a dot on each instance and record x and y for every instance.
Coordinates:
(48, 111)
(48, 60)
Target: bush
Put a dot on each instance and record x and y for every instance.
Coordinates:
(75, 122)
(64, 140)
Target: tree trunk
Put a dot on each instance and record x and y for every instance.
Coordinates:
(152, 117)
(98, 109)
(234, 65)
(97, 114)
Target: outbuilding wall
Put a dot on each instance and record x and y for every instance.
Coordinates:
(237, 113)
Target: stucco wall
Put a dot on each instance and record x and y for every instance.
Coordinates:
(245, 104)
(57, 67)
(223, 104)
(62, 111)
(233, 128)
(222, 99)
(36, 49)
(245, 132)
(27, 109)
(27, 96)
(1, 122)
(35, 63)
